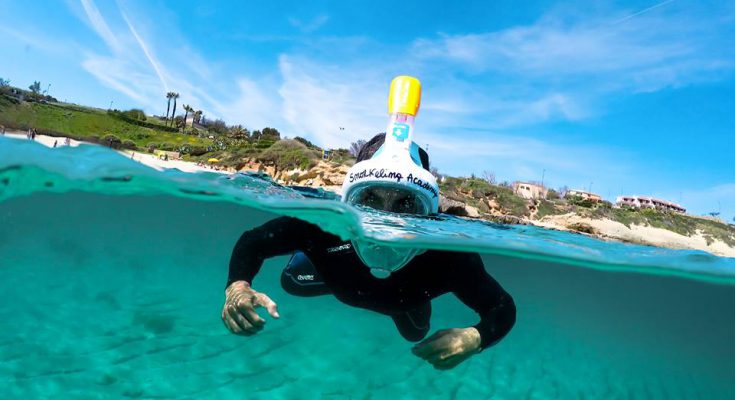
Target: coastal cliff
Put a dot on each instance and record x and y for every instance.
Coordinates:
(299, 162)
(477, 199)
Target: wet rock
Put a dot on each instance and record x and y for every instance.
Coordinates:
(458, 208)
(582, 227)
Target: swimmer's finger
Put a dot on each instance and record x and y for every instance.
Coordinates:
(262, 299)
(442, 356)
(245, 326)
(255, 320)
(246, 308)
(231, 325)
(429, 346)
(450, 362)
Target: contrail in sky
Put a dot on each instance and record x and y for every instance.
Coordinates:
(645, 10)
(151, 58)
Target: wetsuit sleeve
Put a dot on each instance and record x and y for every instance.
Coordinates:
(478, 290)
(280, 236)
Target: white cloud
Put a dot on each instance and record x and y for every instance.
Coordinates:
(521, 157)
(675, 49)
(318, 100)
(548, 71)
(133, 68)
(252, 104)
(115, 74)
(310, 25)
(121, 68)
(99, 24)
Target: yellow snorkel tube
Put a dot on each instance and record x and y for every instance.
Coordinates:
(404, 96)
(395, 166)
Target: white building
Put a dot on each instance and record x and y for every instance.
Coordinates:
(529, 190)
(649, 202)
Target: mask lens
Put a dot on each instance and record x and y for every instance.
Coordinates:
(390, 199)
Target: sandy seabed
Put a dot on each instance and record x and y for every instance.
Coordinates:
(119, 297)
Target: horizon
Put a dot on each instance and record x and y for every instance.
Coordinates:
(616, 98)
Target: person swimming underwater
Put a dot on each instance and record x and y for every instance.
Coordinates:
(391, 175)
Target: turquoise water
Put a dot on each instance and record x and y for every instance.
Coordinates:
(112, 279)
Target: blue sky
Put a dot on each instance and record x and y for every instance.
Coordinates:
(625, 97)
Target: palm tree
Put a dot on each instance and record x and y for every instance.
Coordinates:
(173, 114)
(169, 95)
(238, 132)
(188, 109)
(36, 87)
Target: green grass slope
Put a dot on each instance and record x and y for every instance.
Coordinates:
(91, 124)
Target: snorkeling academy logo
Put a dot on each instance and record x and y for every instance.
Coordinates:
(381, 173)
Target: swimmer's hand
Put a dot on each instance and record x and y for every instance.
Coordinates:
(239, 314)
(449, 347)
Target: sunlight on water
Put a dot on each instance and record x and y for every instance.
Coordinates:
(113, 277)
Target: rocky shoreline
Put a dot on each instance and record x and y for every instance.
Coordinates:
(329, 176)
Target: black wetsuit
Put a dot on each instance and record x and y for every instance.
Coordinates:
(405, 295)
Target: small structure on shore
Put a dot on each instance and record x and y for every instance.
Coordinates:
(529, 190)
(167, 155)
(593, 197)
(649, 202)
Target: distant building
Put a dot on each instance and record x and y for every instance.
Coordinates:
(529, 190)
(649, 202)
(167, 155)
(593, 197)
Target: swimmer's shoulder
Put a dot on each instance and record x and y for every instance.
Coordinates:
(451, 257)
(295, 225)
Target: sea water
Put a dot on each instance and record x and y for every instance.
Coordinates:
(112, 278)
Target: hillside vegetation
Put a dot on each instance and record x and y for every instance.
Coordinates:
(493, 200)
(236, 147)
(89, 124)
(232, 146)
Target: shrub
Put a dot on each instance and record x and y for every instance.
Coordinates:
(166, 147)
(141, 135)
(135, 114)
(341, 156)
(289, 154)
(129, 144)
(580, 201)
(197, 150)
(307, 143)
(112, 141)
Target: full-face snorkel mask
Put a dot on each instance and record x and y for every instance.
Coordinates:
(394, 179)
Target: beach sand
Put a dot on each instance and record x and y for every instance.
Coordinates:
(647, 235)
(143, 158)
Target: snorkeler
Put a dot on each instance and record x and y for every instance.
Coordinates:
(391, 175)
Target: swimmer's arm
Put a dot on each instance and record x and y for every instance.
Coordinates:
(479, 291)
(277, 237)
